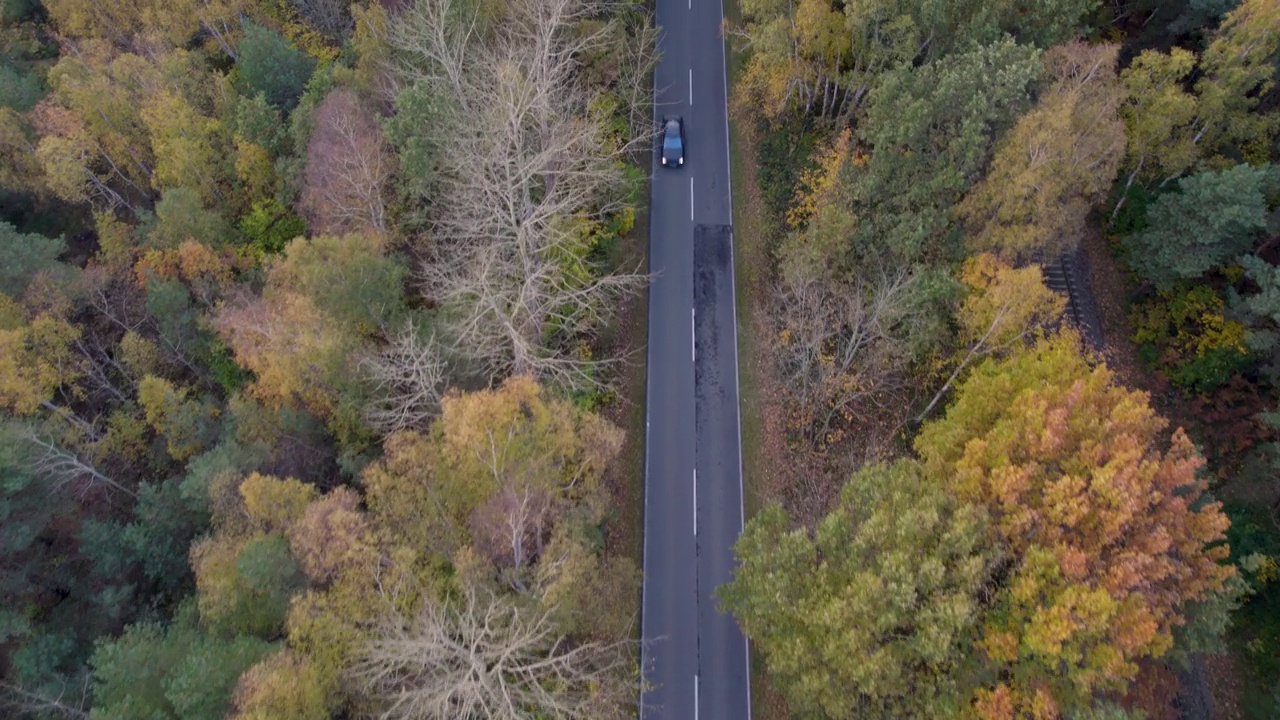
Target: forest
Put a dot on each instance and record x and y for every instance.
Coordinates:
(966, 506)
(307, 354)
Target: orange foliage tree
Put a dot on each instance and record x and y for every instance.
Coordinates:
(1105, 533)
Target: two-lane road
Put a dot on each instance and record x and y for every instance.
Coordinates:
(695, 658)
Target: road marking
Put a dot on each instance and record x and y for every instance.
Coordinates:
(690, 199)
(693, 336)
(695, 502)
(695, 697)
(690, 83)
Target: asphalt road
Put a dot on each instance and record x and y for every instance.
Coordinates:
(695, 658)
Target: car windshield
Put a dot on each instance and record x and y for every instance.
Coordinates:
(672, 139)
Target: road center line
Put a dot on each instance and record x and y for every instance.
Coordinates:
(691, 80)
(693, 337)
(695, 697)
(695, 502)
(690, 199)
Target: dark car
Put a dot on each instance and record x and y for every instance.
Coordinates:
(672, 141)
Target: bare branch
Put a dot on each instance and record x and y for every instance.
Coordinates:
(409, 374)
(484, 656)
(528, 176)
(71, 702)
(63, 466)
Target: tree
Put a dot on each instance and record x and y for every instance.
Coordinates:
(187, 425)
(25, 256)
(330, 17)
(869, 614)
(348, 168)
(1106, 534)
(501, 463)
(270, 227)
(245, 583)
(1005, 307)
(1057, 161)
(1160, 116)
(176, 672)
(1211, 218)
(528, 179)
(844, 347)
(96, 108)
(351, 278)
(409, 375)
(191, 150)
(20, 169)
(1237, 68)
(285, 686)
(36, 358)
(826, 57)
(272, 66)
(483, 655)
(929, 130)
(181, 215)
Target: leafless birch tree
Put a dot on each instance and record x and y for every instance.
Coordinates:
(526, 173)
(483, 656)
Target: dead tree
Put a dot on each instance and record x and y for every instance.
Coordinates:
(528, 172)
(71, 702)
(409, 376)
(63, 467)
(485, 656)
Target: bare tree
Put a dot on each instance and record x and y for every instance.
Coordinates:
(844, 346)
(485, 656)
(63, 467)
(331, 17)
(409, 375)
(348, 166)
(527, 173)
(71, 702)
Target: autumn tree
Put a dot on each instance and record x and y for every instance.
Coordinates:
(187, 424)
(1160, 116)
(869, 614)
(1005, 307)
(285, 686)
(324, 301)
(1104, 530)
(1238, 67)
(499, 469)
(348, 168)
(1055, 163)
(182, 214)
(191, 149)
(824, 57)
(527, 179)
(37, 358)
(1204, 222)
(483, 655)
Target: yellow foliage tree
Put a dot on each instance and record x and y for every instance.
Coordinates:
(1056, 162)
(36, 358)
